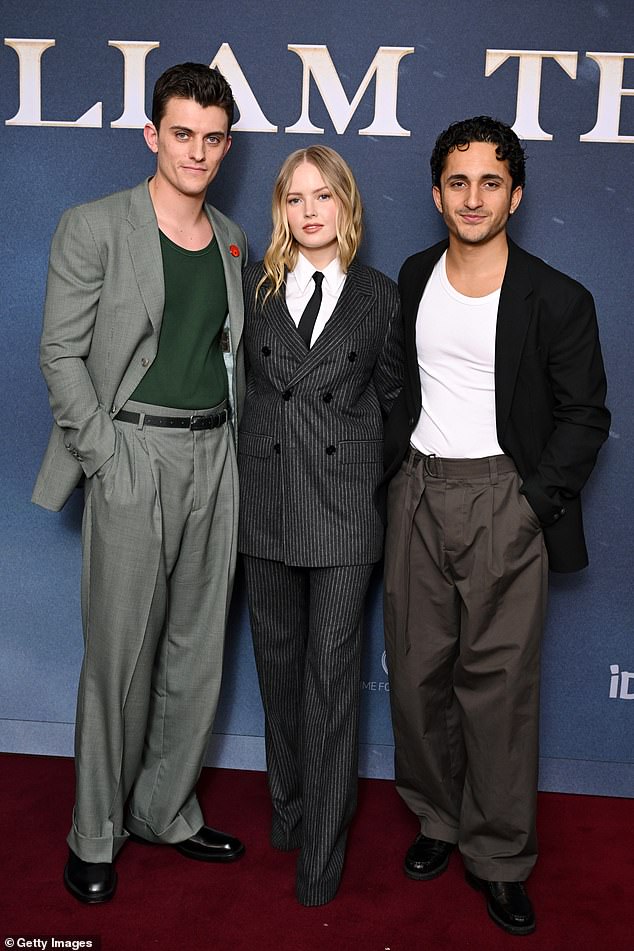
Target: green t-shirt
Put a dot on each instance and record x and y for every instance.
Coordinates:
(189, 370)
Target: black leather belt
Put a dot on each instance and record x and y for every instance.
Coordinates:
(213, 421)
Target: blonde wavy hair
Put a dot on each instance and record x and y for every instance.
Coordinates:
(283, 249)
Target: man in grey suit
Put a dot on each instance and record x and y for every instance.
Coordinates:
(141, 352)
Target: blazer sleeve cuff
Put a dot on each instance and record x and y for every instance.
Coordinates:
(547, 509)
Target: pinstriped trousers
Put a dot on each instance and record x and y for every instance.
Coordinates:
(465, 600)
(306, 625)
(159, 547)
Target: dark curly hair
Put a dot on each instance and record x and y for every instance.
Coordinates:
(206, 86)
(480, 129)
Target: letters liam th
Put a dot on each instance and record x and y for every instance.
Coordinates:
(318, 65)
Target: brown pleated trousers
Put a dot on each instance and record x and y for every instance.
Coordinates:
(465, 599)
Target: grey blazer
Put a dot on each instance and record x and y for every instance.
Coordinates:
(310, 452)
(102, 318)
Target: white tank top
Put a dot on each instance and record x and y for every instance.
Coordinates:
(455, 344)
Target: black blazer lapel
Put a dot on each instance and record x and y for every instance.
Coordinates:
(412, 282)
(514, 312)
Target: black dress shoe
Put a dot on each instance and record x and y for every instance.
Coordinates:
(508, 904)
(90, 882)
(427, 858)
(210, 845)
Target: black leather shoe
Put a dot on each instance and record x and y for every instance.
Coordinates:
(427, 858)
(90, 882)
(507, 903)
(210, 845)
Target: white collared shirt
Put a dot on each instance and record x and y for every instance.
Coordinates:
(300, 287)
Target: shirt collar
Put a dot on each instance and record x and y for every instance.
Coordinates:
(304, 270)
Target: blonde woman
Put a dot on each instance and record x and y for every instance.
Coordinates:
(323, 340)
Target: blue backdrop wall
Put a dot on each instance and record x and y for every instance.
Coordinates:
(377, 82)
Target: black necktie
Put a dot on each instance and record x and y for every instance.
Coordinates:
(307, 320)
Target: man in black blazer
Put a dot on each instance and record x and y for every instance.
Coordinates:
(488, 446)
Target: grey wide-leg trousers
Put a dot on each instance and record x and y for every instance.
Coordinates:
(465, 600)
(306, 625)
(159, 546)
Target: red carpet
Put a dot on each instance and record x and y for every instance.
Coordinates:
(582, 887)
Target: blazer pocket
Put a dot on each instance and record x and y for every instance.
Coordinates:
(361, 451)
(252, 444)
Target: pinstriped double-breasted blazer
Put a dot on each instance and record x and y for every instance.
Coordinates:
(310, 451)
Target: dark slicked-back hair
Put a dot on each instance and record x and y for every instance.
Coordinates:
(480, 129)
(206, 86)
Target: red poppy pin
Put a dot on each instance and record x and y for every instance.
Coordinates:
(235, 250)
